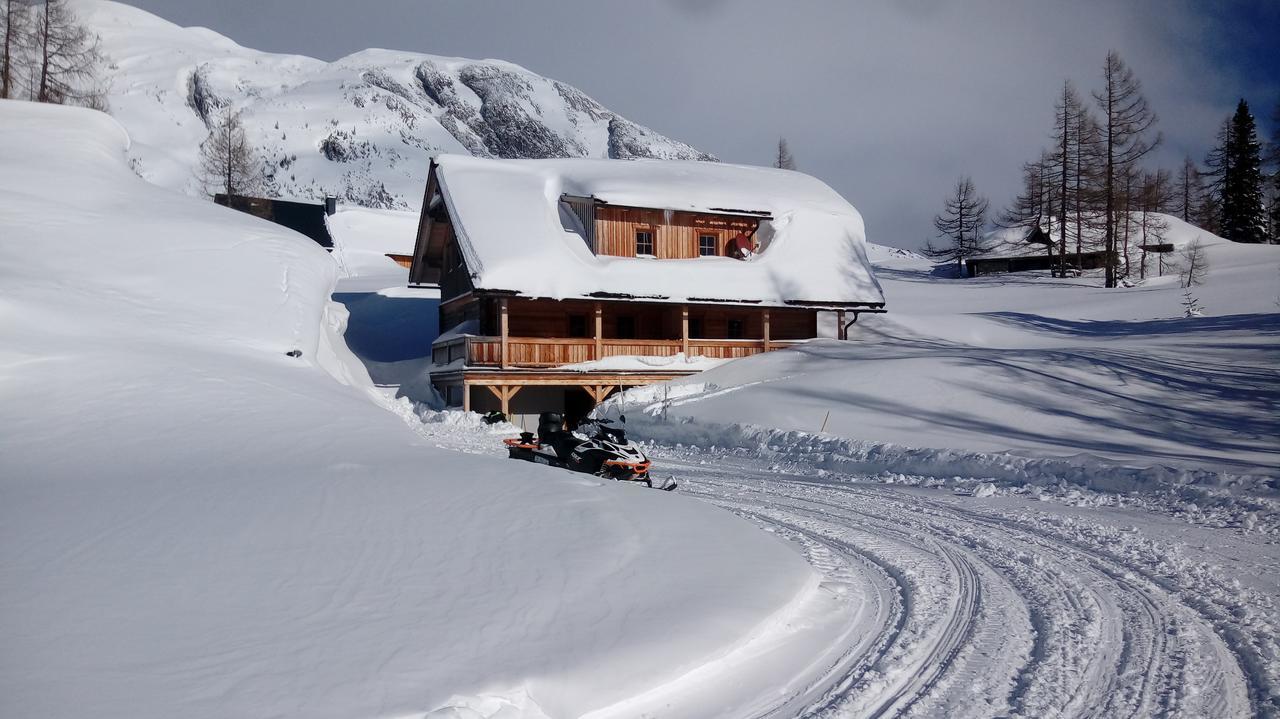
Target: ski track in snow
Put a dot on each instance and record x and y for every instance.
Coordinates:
(960, 608)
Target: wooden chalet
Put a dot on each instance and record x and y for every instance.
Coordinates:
(563, 281)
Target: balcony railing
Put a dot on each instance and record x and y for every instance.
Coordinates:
(541, 352)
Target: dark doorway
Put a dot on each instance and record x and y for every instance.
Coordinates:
(735, 329)
(626, 327)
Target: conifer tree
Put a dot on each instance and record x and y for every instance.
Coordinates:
(959, 223)
(1273, 187)
(1238, 162)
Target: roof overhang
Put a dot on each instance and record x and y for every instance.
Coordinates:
(723, 211)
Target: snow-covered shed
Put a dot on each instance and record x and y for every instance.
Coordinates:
(627, 272)
(1024, 249)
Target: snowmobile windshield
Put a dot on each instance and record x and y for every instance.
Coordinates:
(616, 435)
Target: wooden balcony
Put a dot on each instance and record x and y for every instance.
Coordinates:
(543, 352)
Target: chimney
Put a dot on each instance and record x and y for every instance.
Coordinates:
(330, 204)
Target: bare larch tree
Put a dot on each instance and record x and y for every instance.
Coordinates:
(784, 160)
(13, 15)
(1126, 122)
(1190, 188)
(1067, 148)
(65, 54)
(959, 223)
(228, 163)
(1194, 263)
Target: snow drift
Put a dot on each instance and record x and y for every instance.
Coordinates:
(196, 522)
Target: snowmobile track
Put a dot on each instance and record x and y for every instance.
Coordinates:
(980, 614)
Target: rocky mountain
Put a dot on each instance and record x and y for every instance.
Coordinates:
(361, 127)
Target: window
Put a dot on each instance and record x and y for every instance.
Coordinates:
(644, 242)
(577, 325)
(708, 245)
(626, 328)
(695, 326)
(735, 329)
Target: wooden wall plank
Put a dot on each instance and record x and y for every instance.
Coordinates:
(675, 233)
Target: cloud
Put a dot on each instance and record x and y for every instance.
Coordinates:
(697, 7)
(886, 101)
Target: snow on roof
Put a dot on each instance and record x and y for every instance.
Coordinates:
(517, 235)
(1160, 228)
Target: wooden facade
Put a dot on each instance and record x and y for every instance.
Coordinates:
(506, 349)
(524, 341)
(675, 234)
(978, 266)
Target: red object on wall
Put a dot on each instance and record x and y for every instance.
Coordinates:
(740, 247)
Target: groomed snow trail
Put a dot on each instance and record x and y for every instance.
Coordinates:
(964, 606)
(987, 613)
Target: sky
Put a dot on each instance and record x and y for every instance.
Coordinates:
(889, 102)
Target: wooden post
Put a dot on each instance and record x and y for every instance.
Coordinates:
(466, 397)
(766, 330)
(840, 334)
(684, 330)
(502, 328)
(504, 394)
(599, 330)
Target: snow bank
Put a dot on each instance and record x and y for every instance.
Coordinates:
(362, 239)
(819, 451)
(196, 523)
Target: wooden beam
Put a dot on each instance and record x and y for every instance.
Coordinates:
(502, 325)
(766, 330)
(598, 311)
(504, 393)
(466, 397)
(840, 333)
(684, 330)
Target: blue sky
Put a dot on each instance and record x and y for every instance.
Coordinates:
(887, 101)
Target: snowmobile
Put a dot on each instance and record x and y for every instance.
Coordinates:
(607, 453)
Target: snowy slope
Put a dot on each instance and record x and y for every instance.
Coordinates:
(996, 376)
(361, 127)
(194, 523)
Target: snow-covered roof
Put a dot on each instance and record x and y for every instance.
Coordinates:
(1007, 242)
(1156, 229)
(516, 235)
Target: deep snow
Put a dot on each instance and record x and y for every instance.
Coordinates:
(195, 523)
(1021, 377)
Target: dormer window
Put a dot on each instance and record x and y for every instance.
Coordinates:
(644, 242)
(708, 245)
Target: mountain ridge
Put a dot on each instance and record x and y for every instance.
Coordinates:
(361, 127)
